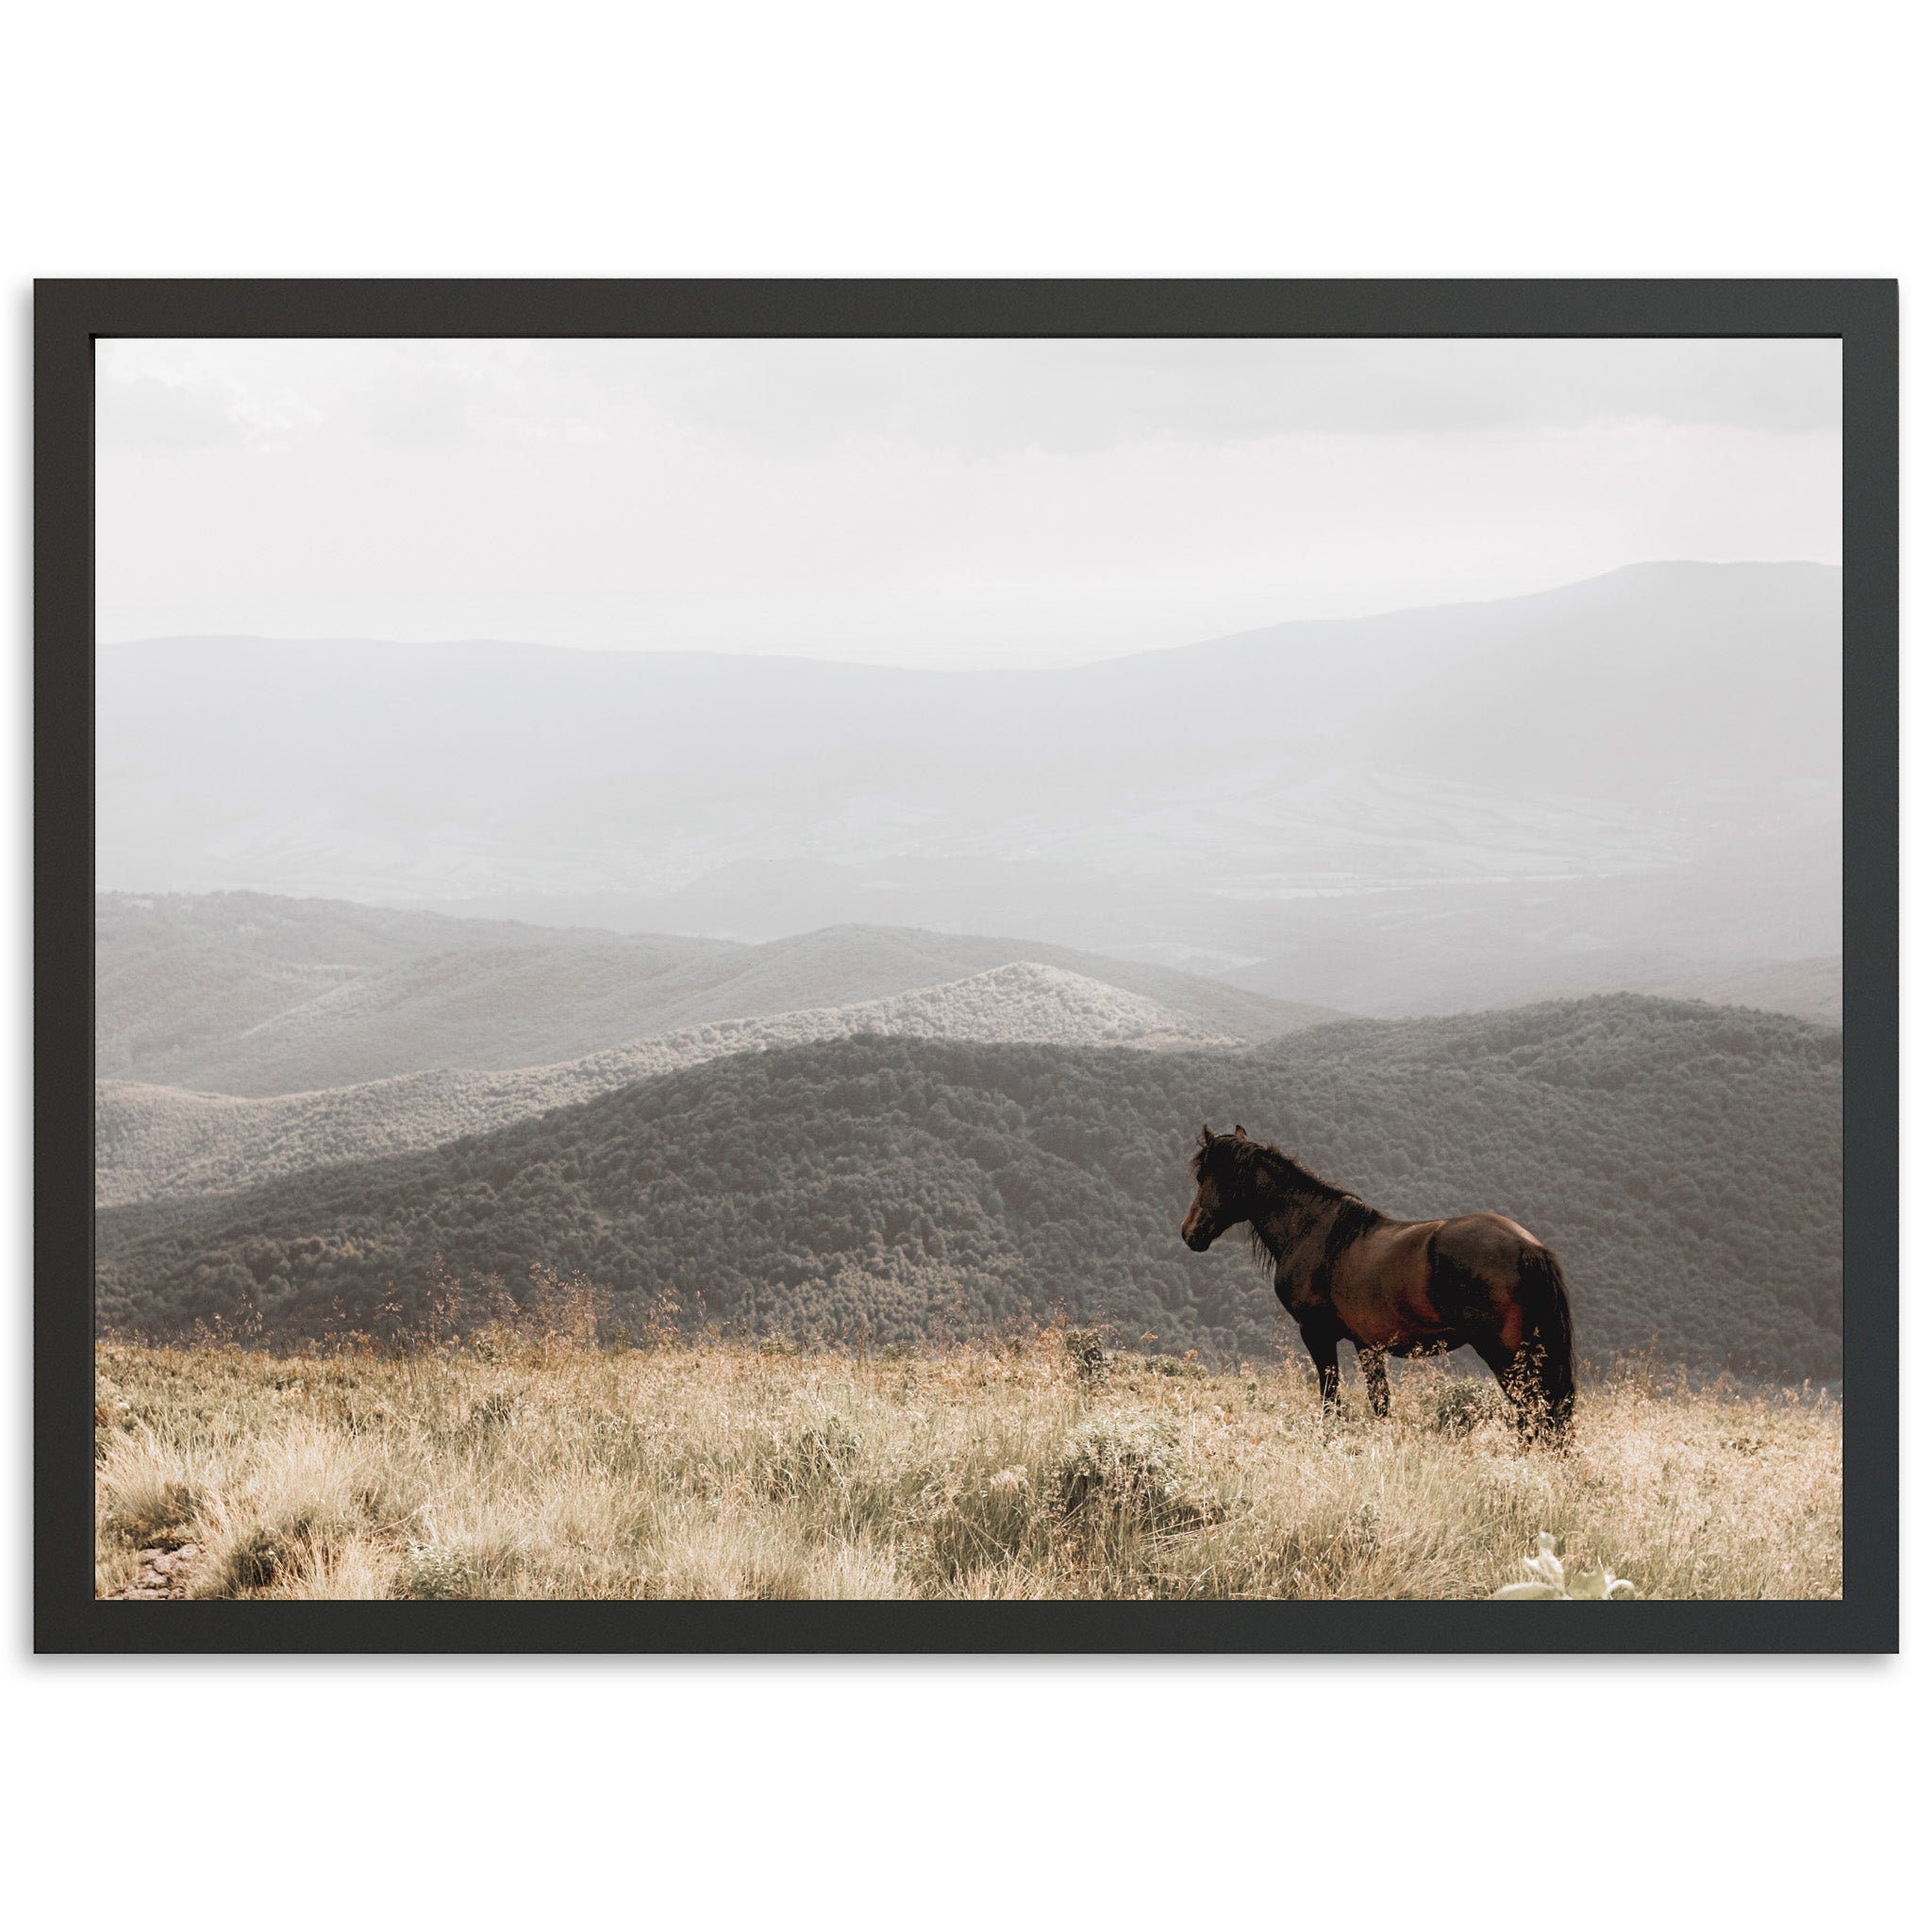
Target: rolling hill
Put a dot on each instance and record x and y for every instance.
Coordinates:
(1683, 1159)
(250, 994)
(152, 1142)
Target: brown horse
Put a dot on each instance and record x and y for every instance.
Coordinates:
(1348, 1273)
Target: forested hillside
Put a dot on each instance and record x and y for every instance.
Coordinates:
(252, 994)
(1684, 1160)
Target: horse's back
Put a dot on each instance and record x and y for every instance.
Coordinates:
(1485, 1243)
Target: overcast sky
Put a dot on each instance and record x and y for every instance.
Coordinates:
(948, 502)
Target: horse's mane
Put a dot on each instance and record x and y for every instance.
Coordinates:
(1250, 1160)
(1254, 1162)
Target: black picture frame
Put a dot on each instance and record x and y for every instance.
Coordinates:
(70, 315)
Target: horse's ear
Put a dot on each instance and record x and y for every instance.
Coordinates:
(1206, 1136)
(1240, 1133)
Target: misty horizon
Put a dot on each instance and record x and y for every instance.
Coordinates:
(1326, 811)
(1310, 618)
(945, 504)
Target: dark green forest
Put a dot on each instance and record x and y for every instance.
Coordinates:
(1683, 1159)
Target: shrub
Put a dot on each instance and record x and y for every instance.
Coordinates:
(1462, 1405)
(1174, 1365)
(439, 1573)
(254, 1560)
(1130, 1466)
(1085, 1352)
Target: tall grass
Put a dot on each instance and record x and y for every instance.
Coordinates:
(547, 1465)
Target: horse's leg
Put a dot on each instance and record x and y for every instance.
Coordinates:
(1324, 1345)
(1508, 1366)
(1371, 1361)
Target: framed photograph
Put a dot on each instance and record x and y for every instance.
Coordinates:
(966, 966)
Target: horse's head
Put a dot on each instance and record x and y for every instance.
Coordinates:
(1220, 1187)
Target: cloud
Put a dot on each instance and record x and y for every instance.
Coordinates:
(144, 413)
(182, 396)
(1089, 395)
(426, 406)
(786, 399)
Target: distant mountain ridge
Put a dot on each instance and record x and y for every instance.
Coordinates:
(253, 994)
(157, 1142)
(1215, 798)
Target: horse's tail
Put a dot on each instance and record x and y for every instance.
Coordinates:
(1552, 1351)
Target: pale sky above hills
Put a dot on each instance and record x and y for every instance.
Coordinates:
(947, 504)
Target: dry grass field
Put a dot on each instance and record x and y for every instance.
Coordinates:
(543, 1466)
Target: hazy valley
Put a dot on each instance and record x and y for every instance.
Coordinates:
(1629, 781)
